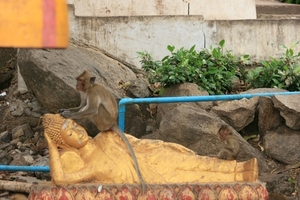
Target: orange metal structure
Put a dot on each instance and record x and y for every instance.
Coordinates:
(34, 24)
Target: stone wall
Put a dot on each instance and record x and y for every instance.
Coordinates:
(123, 36)
(211, 10)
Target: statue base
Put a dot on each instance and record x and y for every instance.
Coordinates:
(207, 191)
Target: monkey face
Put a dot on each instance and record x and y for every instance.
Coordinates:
(73, 134)
(80, 85)
(84, 81)
(224, 132)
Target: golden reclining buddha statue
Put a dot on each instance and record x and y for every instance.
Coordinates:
(77, 158)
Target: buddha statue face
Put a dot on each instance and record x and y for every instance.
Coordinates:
(73, 134)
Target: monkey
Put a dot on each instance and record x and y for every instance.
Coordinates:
(100, 105)
(231, 145)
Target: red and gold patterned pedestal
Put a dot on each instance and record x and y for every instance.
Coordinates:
(218, 191)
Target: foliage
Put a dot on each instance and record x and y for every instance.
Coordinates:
(211, 69)
(281, 73)
(214, 69)
(293, 1)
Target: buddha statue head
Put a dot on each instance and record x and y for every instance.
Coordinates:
(64, 132)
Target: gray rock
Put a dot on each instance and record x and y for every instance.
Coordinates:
(5, 158)
(19, 160)
(135, 119)
(17, 133)
(138, 127)
(23, 130)
(5, 137)
(277, 183)
(197, 129)
(36, 107)
(151, 126)
(237, 113)
(29, 159)
(263, 90)
(138, 88)
(183, 89)
(50, 74)
(289, 108)
(43, 161)
(17, 108)
(268, 117)
(35, 114)
(4, 146)
(282, 145)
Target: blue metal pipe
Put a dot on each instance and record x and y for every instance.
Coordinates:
(125, 101)
(24, 168)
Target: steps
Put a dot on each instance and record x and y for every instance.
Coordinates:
(277, 10)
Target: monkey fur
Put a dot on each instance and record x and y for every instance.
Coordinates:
(100, 105)
(231, 145)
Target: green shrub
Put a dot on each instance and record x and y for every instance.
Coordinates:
(281, 73)
(214, 69)
(211, 69)
(293, 1)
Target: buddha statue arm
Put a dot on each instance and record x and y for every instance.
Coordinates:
(58, 175)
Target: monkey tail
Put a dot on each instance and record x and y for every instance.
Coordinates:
(116, 129)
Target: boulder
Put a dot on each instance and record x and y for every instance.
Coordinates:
(282, 144)
(197, 129)
(263, 90)
(134, 120)
(138, 88)
(237, 113)
(183, 89)
(289, 108)
(50, 74)
(277, 184)
(268, 116)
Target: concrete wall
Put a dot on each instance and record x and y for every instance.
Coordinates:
(122, 37)
(211, 10)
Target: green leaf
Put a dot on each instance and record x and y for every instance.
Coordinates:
(192, 48)
(221, 43)
(181, 78)
(171, 48)
(275, 81)
(165, 58)
(172, 77)
(297, 70)
(164, 78)
(249, 137)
